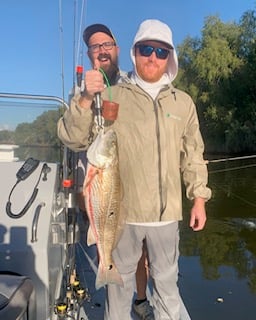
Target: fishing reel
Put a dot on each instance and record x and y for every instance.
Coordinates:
(70, 307)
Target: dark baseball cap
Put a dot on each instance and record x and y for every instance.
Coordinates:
(93, 28)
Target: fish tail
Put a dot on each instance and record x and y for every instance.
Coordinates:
(106, 276)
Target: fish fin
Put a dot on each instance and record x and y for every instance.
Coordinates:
(91, 172)
(106, 276)
(90, 237)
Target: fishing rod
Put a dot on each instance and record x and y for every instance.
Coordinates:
(231, 159)
(68, 305)
(98, 116)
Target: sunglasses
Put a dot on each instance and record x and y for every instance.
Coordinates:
(146, 51)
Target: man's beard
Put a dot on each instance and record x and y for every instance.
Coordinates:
(111, 70)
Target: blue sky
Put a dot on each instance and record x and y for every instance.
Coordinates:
(31, 37)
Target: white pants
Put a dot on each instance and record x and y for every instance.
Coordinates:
(163, 252)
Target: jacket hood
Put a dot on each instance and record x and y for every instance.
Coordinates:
(152, 29)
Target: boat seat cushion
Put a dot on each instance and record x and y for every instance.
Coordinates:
(15, 295)
(3, 301)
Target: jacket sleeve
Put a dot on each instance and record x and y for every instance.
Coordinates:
(193, 165)
(75, 127)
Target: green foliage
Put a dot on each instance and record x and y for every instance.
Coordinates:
(6, 137)
(41, 132)
(219, 72)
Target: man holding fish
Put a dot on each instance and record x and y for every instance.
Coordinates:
(157, 141)
(103, 48)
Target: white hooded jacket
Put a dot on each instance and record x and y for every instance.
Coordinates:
(156, 30)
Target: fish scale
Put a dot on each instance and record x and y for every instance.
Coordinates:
(102, 199)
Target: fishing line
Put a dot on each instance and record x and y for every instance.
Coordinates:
(90, 260)
(74, 42)
(61, 48)
(234, 168)
(82, 19)
(107, 83)
(232, 159)
(235, 195)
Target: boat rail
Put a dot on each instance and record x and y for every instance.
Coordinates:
(33, 97)
(44, 237)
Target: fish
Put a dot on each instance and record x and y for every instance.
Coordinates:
(102, 192)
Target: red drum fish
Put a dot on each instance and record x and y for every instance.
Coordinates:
(102, 199)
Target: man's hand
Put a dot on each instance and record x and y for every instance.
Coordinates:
(93, 83)
(198, 215)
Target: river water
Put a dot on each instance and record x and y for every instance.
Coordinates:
(218, 265)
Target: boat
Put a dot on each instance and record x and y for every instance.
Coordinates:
(37, 228)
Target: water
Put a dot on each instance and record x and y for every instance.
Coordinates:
(218, 264)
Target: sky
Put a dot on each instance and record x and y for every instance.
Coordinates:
(38, 37)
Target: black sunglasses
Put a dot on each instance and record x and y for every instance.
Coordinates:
(146, 51)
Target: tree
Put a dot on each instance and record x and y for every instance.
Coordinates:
(211, 69)
(7, 136)
(41, 132)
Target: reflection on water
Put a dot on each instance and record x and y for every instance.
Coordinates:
(218, 264)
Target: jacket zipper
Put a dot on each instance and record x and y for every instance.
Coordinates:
(159, 160)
